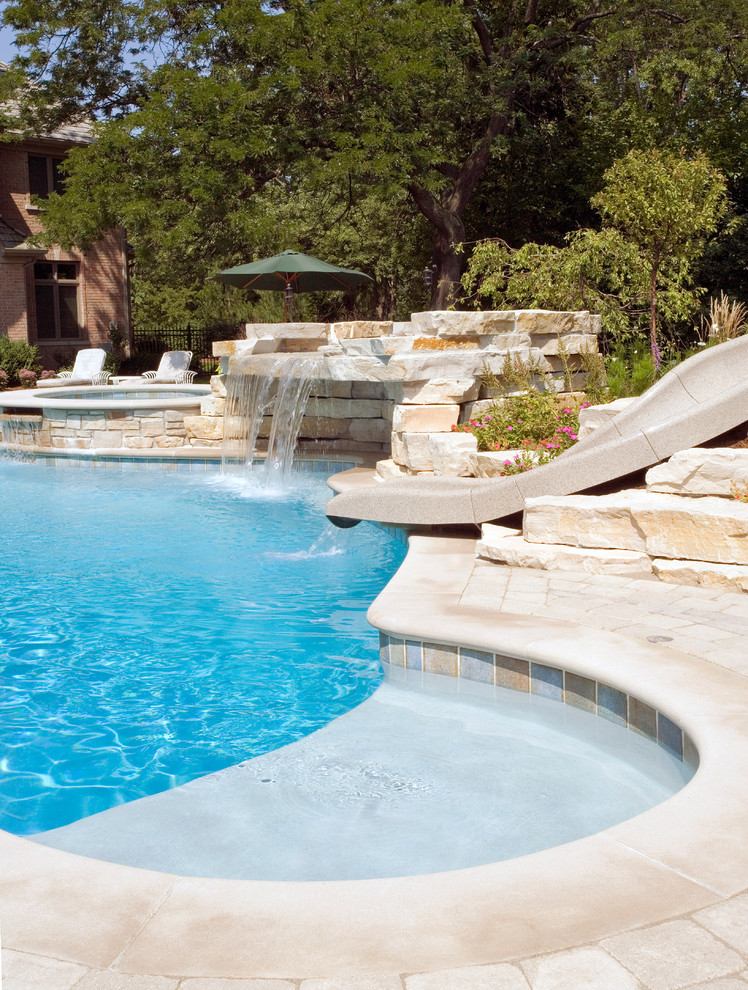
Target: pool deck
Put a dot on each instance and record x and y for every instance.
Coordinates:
(657, 903)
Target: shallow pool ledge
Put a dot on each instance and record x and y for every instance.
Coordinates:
(685, 854)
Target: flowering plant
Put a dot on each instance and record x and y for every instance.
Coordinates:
(739, 492)
(27, 377)
(47, 374)
(531, 422)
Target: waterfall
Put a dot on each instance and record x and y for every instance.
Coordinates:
(281, 393)
(16, 432)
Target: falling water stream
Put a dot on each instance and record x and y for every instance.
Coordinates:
(283, 394)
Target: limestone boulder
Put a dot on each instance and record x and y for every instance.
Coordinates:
(435, 391)
(204, 427)
(425, 419)
(518, 552)
(729, 577)
(344, 408)
(553, 345)
(390, 469)
(543, 321)
(212, 405)
(415, 453)
(451, 453)
(352, 329)
(490, 532)
(593, 417)
(370, 430)
(218, 385)
(287, 331)
(701, 471)
(471, 324)
(493, 463)
(708, 528)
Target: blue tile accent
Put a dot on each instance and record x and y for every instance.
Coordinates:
(413, 655)
(669, 735)
(384, 648)
(547, 682)
(476, 666)
(397, 652)
(612, 704)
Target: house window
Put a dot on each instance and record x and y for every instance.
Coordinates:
(56, 293)
(44, 175)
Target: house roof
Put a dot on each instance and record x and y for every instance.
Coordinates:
(13, 242)
(78, 132)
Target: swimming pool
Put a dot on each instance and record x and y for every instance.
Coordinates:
(156, 628)
(177, 639)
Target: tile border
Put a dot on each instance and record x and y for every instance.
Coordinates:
(528, 676)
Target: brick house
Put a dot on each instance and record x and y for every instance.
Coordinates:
(60, 301)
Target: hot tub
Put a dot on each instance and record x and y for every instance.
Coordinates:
(95, 418)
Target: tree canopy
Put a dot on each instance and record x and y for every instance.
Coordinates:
(381, 133)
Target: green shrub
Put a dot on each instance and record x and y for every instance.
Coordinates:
(532, 420)
(631, 371)
(15, 355)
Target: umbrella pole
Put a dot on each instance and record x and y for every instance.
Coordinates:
(288, 303)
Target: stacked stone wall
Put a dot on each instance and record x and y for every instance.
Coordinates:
(399, 388)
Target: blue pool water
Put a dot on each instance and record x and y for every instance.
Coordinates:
(156, 627)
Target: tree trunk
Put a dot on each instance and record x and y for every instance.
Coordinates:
(654, 347)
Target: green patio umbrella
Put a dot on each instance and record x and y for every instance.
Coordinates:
(292, 271)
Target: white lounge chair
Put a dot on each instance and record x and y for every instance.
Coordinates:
(87, 370)
(172, 369)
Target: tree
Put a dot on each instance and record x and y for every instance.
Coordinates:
(659, 208)
(421, 99)
(667, 206)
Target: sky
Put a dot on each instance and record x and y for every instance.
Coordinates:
(7, 50)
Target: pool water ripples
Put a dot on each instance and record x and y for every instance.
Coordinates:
(152, 631)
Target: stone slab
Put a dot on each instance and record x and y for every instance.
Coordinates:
(425, 419)
(435, 391)
(591, 418)
(518, 552)
(414, 451)
(463, 324)
(453, 453)
(701, 471)
(709, 528)
(204, 427)
(355, 329)
(730, 577)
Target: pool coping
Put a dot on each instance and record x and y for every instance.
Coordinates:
(56, 398)
(685, 854)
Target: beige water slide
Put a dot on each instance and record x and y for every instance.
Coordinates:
(703, 397)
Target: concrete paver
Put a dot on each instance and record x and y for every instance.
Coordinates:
(109, 980)
(578, 969)
(673, 955)
(728, 921)
(375, 981)
(221, 984)
(501, 977)
(25, 971)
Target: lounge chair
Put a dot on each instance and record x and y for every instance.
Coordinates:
(87, 370)
(172, 369)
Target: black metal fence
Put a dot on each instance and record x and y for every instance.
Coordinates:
(151, 342)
